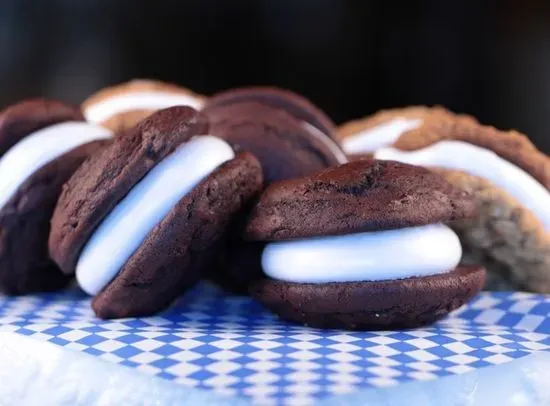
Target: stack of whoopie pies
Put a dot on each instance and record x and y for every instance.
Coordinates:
(161, 188)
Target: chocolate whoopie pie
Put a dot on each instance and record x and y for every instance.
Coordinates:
(141, 220)
(363, 246)
(124, 105)
(510, 180)
(290, 137)
(42, 142)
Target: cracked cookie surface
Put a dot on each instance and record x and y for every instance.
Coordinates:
(361, 196)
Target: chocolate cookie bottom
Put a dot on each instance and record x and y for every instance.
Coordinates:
(379, 305)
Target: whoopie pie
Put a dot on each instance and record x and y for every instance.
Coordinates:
(142, 220)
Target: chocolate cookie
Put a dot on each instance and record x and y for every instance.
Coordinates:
(363, 246)
(279, 99)
(397, 304)
(510, 180)
(357, 197)
(42, 142)
(142, 220)
(284, 131)
(122, 106)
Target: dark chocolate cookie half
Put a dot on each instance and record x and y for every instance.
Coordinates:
(394, 304)
(283, 144)
(280, 99)
(367, 195)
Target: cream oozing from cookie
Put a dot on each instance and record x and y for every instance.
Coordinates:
(481, 162)
(125, 228)
(327, 141)
(104, 109)
(40, 148)
(370, 139)
(369, 256)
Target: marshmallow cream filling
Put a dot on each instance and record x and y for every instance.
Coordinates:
(327, 141)
(40, 148)
(480, 162)
(105, 109)
(125, 228)
(370, 256)
(371, 139)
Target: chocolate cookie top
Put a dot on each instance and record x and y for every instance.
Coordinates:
(282, 144)
(103, 180)
(21, 119)
(367, 195)
(510, 145)
(294, 104)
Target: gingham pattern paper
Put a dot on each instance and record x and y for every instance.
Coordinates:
(233, 346)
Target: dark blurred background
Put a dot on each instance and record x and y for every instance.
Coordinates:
(489, 59)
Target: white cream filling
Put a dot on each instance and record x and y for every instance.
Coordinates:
(101, 111)
(327, 141)
(125, 228)
(370, 256)
(371, 139)
(480, 162)
(40, 148)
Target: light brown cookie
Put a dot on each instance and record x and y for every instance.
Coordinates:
(513, 146)
(361, 137)
(352, 127)
(506, 232)
(496, 279)
(122, 106)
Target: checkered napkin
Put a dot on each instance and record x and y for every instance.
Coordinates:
(233, 346)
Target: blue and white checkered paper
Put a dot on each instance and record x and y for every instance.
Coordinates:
(233, 346)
